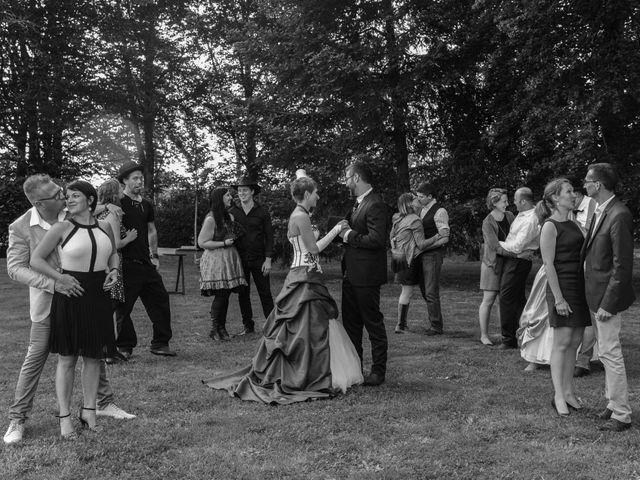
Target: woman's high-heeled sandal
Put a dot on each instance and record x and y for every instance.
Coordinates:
(85, 424)
(72, 435)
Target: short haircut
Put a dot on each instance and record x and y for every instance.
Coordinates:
(33, 184)
(109, 192)
(362, 169)
(605, 173)
(494, 196)
(426, 189)
(405, 204)
(301, 185)
(525, 193)
(87, 190)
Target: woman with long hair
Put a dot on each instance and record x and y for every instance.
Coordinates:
(407, 242)
(220, 266)
(305, 352)
(495, 228)
(80, 325)
(561, 241)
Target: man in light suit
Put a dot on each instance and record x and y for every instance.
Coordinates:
(608, 266)
(364, 269)
(25, 233)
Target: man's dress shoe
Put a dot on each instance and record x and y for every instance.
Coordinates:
(373, 380)
(605, 414)
(613, 425)
(581, 372)
(163, 350)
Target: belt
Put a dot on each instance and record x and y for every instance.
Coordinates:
(135, 260)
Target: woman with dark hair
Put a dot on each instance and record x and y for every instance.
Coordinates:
(81, 325)
(407, 242)
(495, 228)
(305, 352)
(220, 266)
(561, 241)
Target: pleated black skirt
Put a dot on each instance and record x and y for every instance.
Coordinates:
(83, 326)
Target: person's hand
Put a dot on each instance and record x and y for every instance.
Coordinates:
(69, 286)
(526, 255)
(337, 228)
(563, 308)
(116, 210)
(110, 280)
(266, 266)
(602, 315)
(228, 242)
(156, 263)
(131, 235)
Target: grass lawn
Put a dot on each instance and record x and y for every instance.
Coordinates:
(450, 408)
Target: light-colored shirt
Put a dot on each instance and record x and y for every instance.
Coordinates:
(359, 200)
(524, 233)
(583, 210)
(440, 218)
(597, 215)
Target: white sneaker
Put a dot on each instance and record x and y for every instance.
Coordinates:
(14, 432)
(113, 411)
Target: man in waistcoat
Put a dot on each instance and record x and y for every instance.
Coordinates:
(435, 220)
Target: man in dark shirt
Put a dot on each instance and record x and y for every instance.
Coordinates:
(255, 248)
(140, 269)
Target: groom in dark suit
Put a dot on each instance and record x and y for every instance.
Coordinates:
(364, 269)
(608, 263)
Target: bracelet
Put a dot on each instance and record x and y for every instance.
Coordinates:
(559, 302)
(154, 255)
(113, 268)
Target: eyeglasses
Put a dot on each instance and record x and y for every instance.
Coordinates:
(586, 180)
(59, 195)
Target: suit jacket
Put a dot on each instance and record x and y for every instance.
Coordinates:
(608, 258)
(24, 237)
(364, 262)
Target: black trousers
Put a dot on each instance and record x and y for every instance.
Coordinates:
(142, 280)
(253, 268)
(512, 297)
(361, 308)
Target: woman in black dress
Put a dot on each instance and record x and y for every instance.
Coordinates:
(560, 244)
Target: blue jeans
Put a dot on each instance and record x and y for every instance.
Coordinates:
(430, 287)
(32, 367)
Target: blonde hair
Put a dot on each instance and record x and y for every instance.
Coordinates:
(546, 206)
(33, 184)
(109, 192)
(405, 204)
(494, 196)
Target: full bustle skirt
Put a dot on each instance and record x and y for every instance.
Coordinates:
(83, 326)
(304, 353)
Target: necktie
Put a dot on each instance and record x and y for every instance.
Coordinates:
(355, 206)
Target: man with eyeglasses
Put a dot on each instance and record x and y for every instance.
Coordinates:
(25, 233)
(608, 269)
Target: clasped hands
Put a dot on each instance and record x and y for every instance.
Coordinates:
(341, 228)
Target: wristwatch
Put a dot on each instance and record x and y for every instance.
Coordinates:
(154, 255)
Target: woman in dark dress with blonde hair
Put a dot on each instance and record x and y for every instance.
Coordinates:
(561, 241)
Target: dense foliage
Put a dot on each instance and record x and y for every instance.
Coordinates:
(466, 93)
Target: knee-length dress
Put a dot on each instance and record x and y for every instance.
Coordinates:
(83, 326)
(570, 274)
(305, 352)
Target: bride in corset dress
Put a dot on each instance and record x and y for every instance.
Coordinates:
(304, 352)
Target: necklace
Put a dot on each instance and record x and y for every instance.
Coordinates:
(304, 209)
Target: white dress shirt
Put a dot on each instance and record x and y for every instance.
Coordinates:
(597, 215)
(524, 233)
(440, 218)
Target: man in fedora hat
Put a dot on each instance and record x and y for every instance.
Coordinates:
(255, 248)
(140, 268)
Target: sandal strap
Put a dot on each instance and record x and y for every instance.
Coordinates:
(63, 416)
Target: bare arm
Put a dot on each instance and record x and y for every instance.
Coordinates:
(50, 241)
(548, 251)
(206, 234)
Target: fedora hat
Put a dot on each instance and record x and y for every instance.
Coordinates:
(127, 168)
(247, 182)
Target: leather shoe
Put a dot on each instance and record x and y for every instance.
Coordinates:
(373, 380)
(580, 372)
(431, 332)
(613, 425)
(163, 350)
(124, 354)
(605, 414)
(246, 331)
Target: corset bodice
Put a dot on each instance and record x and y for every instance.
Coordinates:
(301, 256)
